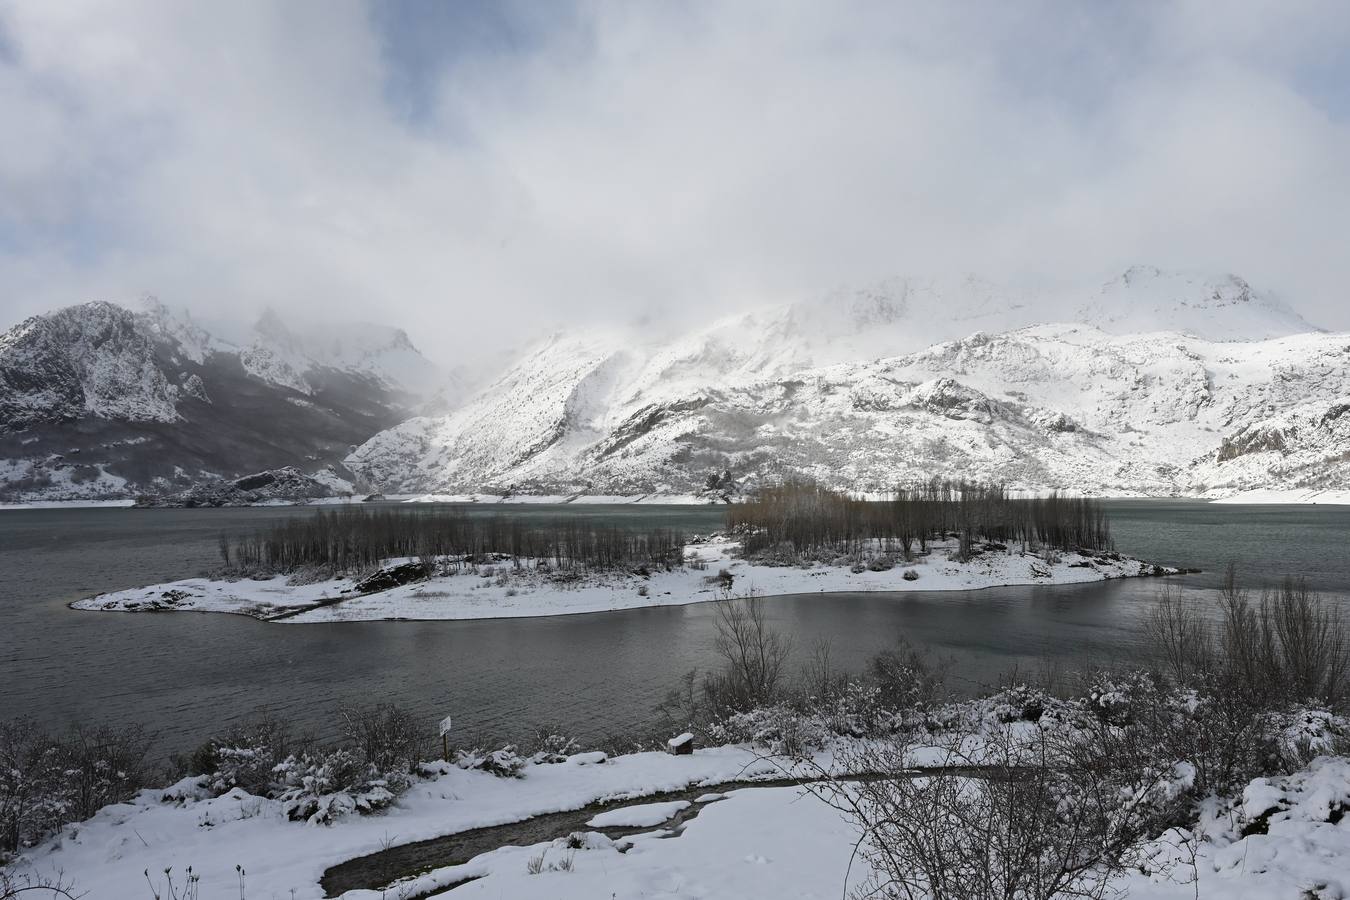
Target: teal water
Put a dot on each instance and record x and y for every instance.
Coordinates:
(184, 675)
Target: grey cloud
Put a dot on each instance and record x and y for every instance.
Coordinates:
(681, 159)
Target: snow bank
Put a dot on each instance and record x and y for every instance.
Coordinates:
(109, 853)
(575, 499)
(503, 591)
(755, 842)
(644, 815)
(70, 504)
(1308, 496)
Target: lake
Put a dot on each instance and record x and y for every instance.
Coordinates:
(183, 675)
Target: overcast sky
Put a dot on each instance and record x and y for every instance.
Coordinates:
(475, 170)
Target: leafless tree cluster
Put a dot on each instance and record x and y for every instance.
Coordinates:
(352, 540)
(807, 516)
(1288, 645)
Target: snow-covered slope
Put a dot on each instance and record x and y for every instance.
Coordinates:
(97, 400)
(1235, 392)
(90, 360)
(296, 358)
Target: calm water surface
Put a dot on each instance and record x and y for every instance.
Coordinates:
(184, 675)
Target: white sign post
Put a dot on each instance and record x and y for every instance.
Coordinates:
(445, 744)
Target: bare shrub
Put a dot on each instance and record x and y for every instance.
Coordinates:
(1019, 814)
(47, 781)
(30, 780)
(1290, 646)
(819, 680)
(755, 655)
(387, 736)
(37, 885)
(1181, 639)
(102, 765)
(907, 678)
(684, 708)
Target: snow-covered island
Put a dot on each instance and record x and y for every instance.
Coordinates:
(506, 590)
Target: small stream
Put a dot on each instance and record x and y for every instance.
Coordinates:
(378, 871)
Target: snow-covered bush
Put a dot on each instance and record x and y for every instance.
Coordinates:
(1018, 703)
(324, 785)
(781, 729)
(375, 761)
(1035, 832)
(1113, 699)
(552, 748)
(47, 781)
(243, 757)
(1306, 733)
(905, 678)
(856, 709)
(883, 562)
(31, 801)
(504, 763)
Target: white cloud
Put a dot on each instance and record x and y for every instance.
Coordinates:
(681, 158)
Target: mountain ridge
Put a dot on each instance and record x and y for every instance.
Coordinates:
(765, 395)
(98, 400)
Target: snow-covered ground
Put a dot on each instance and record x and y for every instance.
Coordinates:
(503, 591)
(575, 499)
(743, 844)
(1309, 497)
(109, 853)
(70, 504)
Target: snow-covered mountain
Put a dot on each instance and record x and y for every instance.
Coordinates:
(297, 358)
(1162, 383)
(100, 400)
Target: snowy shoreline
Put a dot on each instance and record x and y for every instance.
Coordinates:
(1255, 497)
(502, 590)
(1299, 497)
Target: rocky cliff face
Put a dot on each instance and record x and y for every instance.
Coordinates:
(1169, 384)
(101, 401)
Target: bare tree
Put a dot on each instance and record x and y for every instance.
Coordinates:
(1179, 636)
(755, 653)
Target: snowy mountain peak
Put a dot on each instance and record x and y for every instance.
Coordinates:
(98, 399)
(1219, 307)
(1140, 391)
(93, 359)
